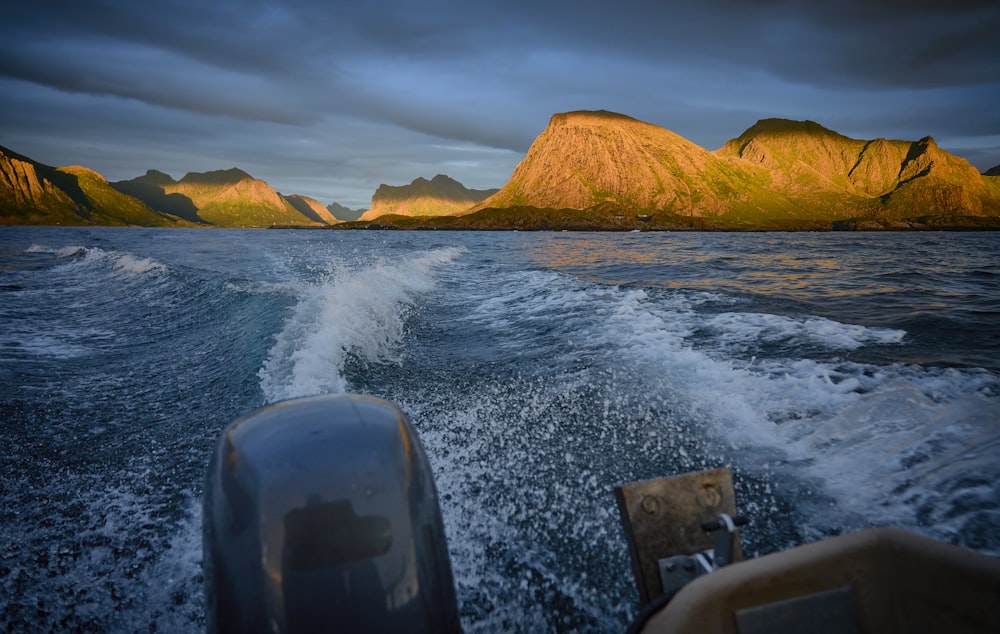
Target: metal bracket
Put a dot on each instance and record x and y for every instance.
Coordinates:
(679, 570)
(663, 518)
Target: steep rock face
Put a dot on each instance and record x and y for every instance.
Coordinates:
(440, 196)
(586, 160)
(33, 193)
(932, 179)
(886, 179)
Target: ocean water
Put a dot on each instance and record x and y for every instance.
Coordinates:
(848, 380)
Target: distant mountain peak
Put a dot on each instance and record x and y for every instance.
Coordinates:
(342, 212)
(217, 177)
(588, 159)
(442, 195)
(156, 177)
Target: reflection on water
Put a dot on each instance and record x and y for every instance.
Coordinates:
(943, 291)
(792, 266)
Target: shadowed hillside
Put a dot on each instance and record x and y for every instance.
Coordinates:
(33, 193)
(225, 198)
(151, 189)
(311, 209)
(344, 214)
(439, 196)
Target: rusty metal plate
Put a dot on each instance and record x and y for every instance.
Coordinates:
(663, 517)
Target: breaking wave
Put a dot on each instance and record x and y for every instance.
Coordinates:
(360, 312)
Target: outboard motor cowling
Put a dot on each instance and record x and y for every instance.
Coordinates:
(320, 514)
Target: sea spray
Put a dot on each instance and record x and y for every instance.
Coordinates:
(359, 312)
(848, 389)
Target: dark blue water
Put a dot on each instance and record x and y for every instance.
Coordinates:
(848, 380)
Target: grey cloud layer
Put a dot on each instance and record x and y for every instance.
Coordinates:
(335, 81)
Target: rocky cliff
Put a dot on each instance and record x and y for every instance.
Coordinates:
(876, 179)
(440, 196)
(587, 160)
(33, 193)
(777, 174)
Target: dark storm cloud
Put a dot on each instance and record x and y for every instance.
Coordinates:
(336, 97)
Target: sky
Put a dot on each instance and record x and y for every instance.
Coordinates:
(330, 98)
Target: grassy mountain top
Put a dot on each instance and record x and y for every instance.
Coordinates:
(230, 176)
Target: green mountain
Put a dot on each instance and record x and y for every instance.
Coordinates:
(440, 196)
(33, 193)
(626, 168)
(225, 198)
(151, 188)
(778, 174)
(586, 170)
(877, 182)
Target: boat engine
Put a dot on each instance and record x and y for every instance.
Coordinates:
(320, 514)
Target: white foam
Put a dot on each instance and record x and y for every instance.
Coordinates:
(745, 330)
(861, 429)
(70, 251)
(132, 264)
(355, 311)
(44, 345)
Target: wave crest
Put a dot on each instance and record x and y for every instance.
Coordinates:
(361, 312)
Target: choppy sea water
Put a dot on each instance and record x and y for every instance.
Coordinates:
(848, 380)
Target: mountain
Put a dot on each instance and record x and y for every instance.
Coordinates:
(311, 208)
(587, 170)
(33, 193)
(599, 160)
(151, 189)
(777, 174)
(440, 196)
(993, 171)
(871, 181)
(224, 198)
(343, 213)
